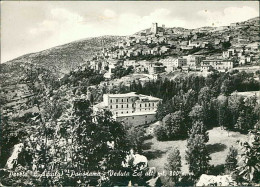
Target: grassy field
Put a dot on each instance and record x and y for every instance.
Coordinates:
(218, 146)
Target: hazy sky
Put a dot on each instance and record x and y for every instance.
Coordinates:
(29, 26)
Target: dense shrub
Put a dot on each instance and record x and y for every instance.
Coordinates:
(160, 133)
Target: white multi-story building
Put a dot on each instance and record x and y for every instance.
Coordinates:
(217, 64)
(179, 62)
(128, 63)
(172, 63)
(154, 69)
(132, 108)
(168, 63)
(228, 53)
(193, 61)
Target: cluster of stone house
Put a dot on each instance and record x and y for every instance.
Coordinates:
(182, 39)
(161, 41)
(245, 54)
(156, 41)
(170, 64)
(131, 108)
(196, 62)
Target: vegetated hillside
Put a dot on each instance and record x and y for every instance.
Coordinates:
(62, 58)
(59, 60)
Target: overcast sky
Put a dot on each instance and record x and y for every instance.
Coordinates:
(29, 26)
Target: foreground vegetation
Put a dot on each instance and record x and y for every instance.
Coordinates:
(64, 134)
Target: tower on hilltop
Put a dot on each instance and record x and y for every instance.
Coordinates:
(154, 28)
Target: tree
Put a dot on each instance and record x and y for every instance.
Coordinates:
(227, 87)
(102, 144)
(198, 128)
(189, 99)
(231, 160)
(205, 95)
(249, 170)
(205, 99)
(99, 142)
(79, 142)
(160, 113)
(197, 113)
(173, 165)
(166, 108)
(236, 104)
(120, 71)
(161, 133)
(197, 155)
(174, 125)
(248, 115)
(225, 45)
(223, 112)
(135, 137)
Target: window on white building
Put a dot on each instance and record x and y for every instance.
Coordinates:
(116, 106)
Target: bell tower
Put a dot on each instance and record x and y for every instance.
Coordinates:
(154, 28)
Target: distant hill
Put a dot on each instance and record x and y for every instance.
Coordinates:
(65, 57)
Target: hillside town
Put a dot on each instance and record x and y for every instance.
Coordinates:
(228, 47)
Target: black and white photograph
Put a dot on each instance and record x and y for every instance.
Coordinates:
(130, 93)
